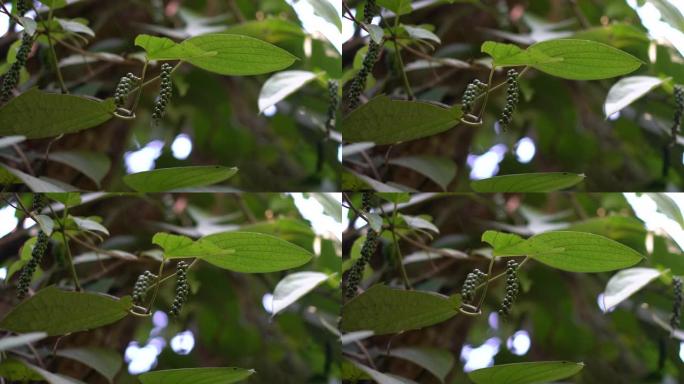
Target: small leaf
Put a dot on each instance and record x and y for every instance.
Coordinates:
(168, 179)
(439, 362)
(105, 361)
(255, 252)
(163, 48)
(179, 247)
(500, 241)
(46, 223)
(627, 90)
(86, 224)
(226, 375)
(281, 85)
(399, 7)
(375, 32)
(326, 10)
(440, 170)
(386, 121)
(525, 373)
(625, 283)
(295, 286)
(512, 55)
(29, 25)
(420, 33)
(386, 310)
(527, 182)
(58, 312)
(37, 114)
(92, 164)
(238, 55)
(75, 27)
(10, 342)
(417, 222)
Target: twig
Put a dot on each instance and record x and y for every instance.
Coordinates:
(400, 258)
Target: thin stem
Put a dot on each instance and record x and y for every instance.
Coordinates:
(489, 85)
(156, 288)
(53, 54)
(400, 258)
(152, 80)
(70, 259)
(400, 61)
(494, 88)
(25, 159)
(500, 274)
(142, 81)
(489, 273)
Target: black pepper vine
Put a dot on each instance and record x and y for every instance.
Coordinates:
(473, 279)
(39, 248)
(11, 78)
(358, 83)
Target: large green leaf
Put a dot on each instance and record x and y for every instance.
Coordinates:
(17, 370)
(527, 182)
(105, 361)
(225, 375)
(37, 114)
(58, 312)
(386, 121)
(386, 310)
(255, 252)
(572, 251)
(567, 58)
(168, 179)
(627, 282)
(238, 55)
(525, 373)
(627, 90)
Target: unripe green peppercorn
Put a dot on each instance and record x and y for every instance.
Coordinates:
(182, 288)
(23, 6)
(679, 111)
(165, 93)
(512, 98)
(677, 303)
(334, 102)
(355, 273)
(512, 288)
(11, 78)
(473, 90)
(123, 88)
(473, 279)
(141, 286)
(358, 84)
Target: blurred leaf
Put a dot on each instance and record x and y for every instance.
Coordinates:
(386, 310)
(46, 224)
(670, 13)
(105, 361)
(9, 342)
(379, 377)
(627, 90)
(11, 140)
(53, 378)
(627, 282)
(375, 32)
(331, 206)
(440, 170)
(668, 207)
(281, 85)
(293, 287)
(92, 164)
(417, 222)
(399, 7)
(168, 179)
(527, 182)
(386, 121)
(439, 362)
(58, 312)
(87, 224)
(75, 27)
(16, 370)
(35, 184)
(420, 33)
(525, 373)
(37, 114)
(326, 10)
(196, 375)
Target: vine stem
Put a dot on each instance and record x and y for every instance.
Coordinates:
(70, 259)
(156, 287)
(53, 54)
(400, 61)
(501, 84)
(486, 97)
(500, 274)
(142, 81)
(400, 258)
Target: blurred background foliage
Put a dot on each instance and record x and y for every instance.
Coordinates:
(212, 119)
(559, 124)
(226, 320)
(557, 316)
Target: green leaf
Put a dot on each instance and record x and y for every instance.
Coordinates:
(386, 310)
(627, 90)
(225, 375)
(95, 165)
(58, 312)
(525, 373)
(575, 251)
(377, 376)
(512, 55)
(178, 247)
(238, 55)
(87, 224)
(281, 85)
(375, 32)
(438, 169)
(439, 362)
(17, 371)
(53, 378)
(295, 286)
(255, 252)
(37, 114)
(419, 33)
(386, 121)
(55, 4)
(105, 361)
(326, 10)
(34, 183)
(399, 7)
(75, 26)
(163, 48)
(627, 282)
(500, 240)
(668, 207)
(527, 182)
(168, 179)
(10, 342)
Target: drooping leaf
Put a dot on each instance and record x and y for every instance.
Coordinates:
(281, 85)
(37, 114)
(225, 375)
(92, 164)
(440, 170)
(420, 33)
(255, 252)
(527, 182)
(107, 362)
(38, 185)
(238, 55)
(74, 26)
(399, 7)
(439, 362)
(58, 312)
(500, 240)
(295, 286)
(627, 282)
(380, 377)
(386, 121)
(627, 90)
(386, 310)
(88, 224)
(168, 179)
(53, 378)
(11, 140)
(525, 373)
(163, 48)
(326, 10)
(10, 342)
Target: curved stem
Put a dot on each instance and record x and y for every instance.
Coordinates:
(400, 259)
(489, 86)
(142, 81)
(500, 274)
(156, 287)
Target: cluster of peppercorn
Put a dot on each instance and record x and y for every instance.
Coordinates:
(23, 6)
(182, 288)
(473, 279)
(39, 248)
(512, 288)
(333, 88)
(358, 84)
(367, 250)
(679, 110)
(141, 286)
(677, 304)
(165, 93)
(11, 78)
(473, 90)
(124, 88)
(512, 98)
